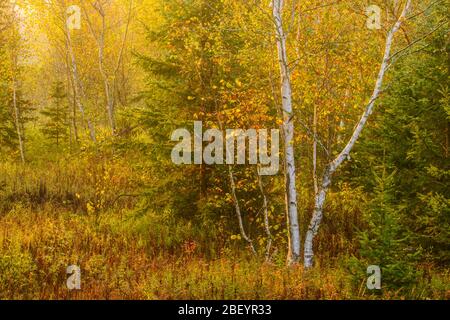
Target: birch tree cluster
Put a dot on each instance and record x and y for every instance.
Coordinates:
(363, 115)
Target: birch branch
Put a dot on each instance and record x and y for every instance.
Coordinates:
(266, 217)
(238, 210)
(376, 92)
(320, 196)
(236, 200)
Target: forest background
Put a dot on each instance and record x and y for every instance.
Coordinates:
(90, 92)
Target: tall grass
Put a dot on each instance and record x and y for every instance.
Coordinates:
(71, 212)
(122, 257)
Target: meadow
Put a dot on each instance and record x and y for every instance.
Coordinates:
(116, 182)
(51, 218)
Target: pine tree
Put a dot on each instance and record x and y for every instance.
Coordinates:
(8, 125)
(386, 242)
(411, 208)
(55, 128)
(7, 132)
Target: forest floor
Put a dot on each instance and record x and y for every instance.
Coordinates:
(62, 213)
(121, 257)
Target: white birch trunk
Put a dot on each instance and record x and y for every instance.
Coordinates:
(17, 119)
(14, 59)
(108, 94)
(236, 200)
(100, 40)
(345, 153)
(72, 104)
(76, 80)
(288, 130)
(109, 86)
(266, 216)
(316, 186)
(238, 211)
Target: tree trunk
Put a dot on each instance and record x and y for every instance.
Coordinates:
(288, 130)
(314, 156)
(320, 198)
(109, 87)
(14, 59)
(71, 101)
(77, 83)
(266, 216)
(17, 118)
(238, 210)
(345, 153)
(108, 94)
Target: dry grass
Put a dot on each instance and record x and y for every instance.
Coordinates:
(68, 213)
(117, 262)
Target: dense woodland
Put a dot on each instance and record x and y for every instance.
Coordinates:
(91, 91)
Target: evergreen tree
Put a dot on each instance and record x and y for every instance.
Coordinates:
(55, 128)
(7, 131)
(386, 242)
(9, 111)
(411, 137)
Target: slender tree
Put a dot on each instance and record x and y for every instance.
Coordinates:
(345, 153)
(56, 113)
(78, 90)
(288, 130)
(14, 52)
(109, 80)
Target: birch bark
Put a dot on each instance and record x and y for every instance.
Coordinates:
(109, 85)
(345, 153)
(100, 40)
(77, 87)
(266, 216)
(288, 130)
(238, 211)
(14, 61)
(17, 117)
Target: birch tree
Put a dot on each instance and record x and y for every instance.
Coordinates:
(288, 133)
(266, 215)
(14, 72)
(109, 80)
(238, 210)
(331, 168)
(16, 109)
(78, 91)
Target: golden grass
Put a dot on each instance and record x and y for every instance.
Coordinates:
(116, 255)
